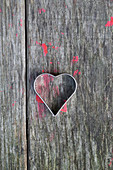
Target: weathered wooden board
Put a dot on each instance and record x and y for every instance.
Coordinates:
(82, 137)
(12, 85)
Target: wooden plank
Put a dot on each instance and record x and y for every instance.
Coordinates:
(81, 137)
(12, 85)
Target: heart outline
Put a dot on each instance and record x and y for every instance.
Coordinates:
(54, 115)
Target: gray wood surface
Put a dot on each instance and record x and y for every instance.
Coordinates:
(12, 86)
(82, 137)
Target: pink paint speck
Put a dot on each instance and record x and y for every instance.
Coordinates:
(37, 42)
(43, 10)
(64, 109)
(53, 47)
(20, 20)
(16, 35)
(57, 48)
(0, 10)
(21, 25)
(39, 11)
(74, 60)
(13, 103)
(79, 73)
(1, 91)
(65, 5)
(49, 43)
(38, 99)
(42, 71)
(50, 62)
(44, 46)
(110, 162)
(62, 33)
(109, 23)
(75, 72)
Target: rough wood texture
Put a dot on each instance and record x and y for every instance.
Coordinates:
(82, 137)
(12, 85)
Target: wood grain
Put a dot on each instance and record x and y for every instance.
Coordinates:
(12, 86)
(82, 137)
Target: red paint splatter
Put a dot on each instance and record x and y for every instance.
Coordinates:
(64, 109)
(109, 23)
(110, 162)
(79, 73)
(37, 43)
(62, 33)
(42, 71)
(40, 10)
(16, 35)
(13, 103)
(57, 48)
(0, 10)
(38, 99)
(44, 46)
(75, 72)
(53, 47)
(65, 5)
(74, 60)
(50, 62)
(49, 43)
(43, 10)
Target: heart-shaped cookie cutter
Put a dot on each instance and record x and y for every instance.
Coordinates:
(54, 77)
